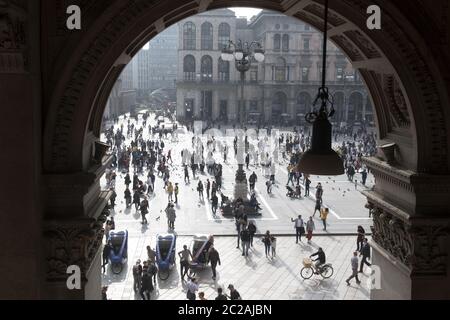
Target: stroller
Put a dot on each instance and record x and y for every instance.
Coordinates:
(165, 254)
(297, 193)
(119, 253)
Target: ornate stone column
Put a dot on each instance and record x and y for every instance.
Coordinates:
(411, 243)
(76, 209)
(74, 242)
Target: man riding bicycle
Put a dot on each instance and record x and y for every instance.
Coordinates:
(321, 259)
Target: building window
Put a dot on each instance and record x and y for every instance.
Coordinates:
(254, 75)
(280, 70)
(189, 68)
(224, 35)
(277, 26)
(285, 42)
(305, 74)
(189, 36)
(339, 74)
(306, 44)
(207, 36)
(253, 106)
(277, 42)
(307, 27)
(206, 69)
(224, 70)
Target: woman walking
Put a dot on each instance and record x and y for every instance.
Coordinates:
(310, 227)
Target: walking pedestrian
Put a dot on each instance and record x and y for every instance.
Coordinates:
(136, 199)
(365, 253)
(360, 238)
(170, 191)
(318, 206)
(146, 285)
(245, 238)
(252, 230)
(127, 197)
(307, 185)
(176, 191)
(214, 258)
(234, 294)
(171, 216)
(185, 256)
(273, 242)
(299, 228)
(220, 295)
(192, 288)
(214, 203)
(106, 251)
(208, 188)
(137, 276)
(267, 242)
(144, 210)
(354, 263)
(310, 227)
(323, 217)
(200, 190)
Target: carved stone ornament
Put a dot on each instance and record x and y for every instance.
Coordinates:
(13, 53)
(419, 247)
(72, 242)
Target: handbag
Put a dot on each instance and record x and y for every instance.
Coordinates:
(302, 230)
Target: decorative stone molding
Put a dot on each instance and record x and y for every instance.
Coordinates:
(363, 43)
(13, 36)
(72, 242)
(318, 11)
(397, 103)
(353, 53)
(419, 244)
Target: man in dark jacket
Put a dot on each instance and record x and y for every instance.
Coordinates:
(321, 259)
(146, 286)
(365, 253)
(106, 250)
(245, 238)
(214, 258)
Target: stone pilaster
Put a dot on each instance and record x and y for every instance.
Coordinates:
(411, 233)
(73, 242)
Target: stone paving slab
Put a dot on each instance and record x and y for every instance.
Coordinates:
(257, 277)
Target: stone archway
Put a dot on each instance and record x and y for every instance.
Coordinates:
(405, 80)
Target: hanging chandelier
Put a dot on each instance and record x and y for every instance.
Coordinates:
(321, 159)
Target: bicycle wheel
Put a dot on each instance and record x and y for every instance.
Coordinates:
(327, 272)
(163, 274)
(306, 273)
(116, 268)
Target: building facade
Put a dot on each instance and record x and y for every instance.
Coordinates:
(281, 89)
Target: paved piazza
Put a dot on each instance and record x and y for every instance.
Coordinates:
(255, 277)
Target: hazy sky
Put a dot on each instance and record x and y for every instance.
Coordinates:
(246, 12)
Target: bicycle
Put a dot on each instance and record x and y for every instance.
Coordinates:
(308, 270)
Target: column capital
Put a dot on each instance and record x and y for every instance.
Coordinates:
(72, 241)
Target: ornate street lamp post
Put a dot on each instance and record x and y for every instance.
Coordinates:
(243, 53)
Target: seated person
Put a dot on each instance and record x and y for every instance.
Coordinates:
(254, 202)
(298, 191)
(321, 259)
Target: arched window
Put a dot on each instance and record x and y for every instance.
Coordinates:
(276, 42)
(189, 68)
(207, 36)
(285, 42)
(206, 69)
(224, 70)
(224, 35)
(189, 36)
(279, 106)
(304, 104)
(280, 70)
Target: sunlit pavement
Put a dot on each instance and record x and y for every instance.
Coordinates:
(257, 277)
